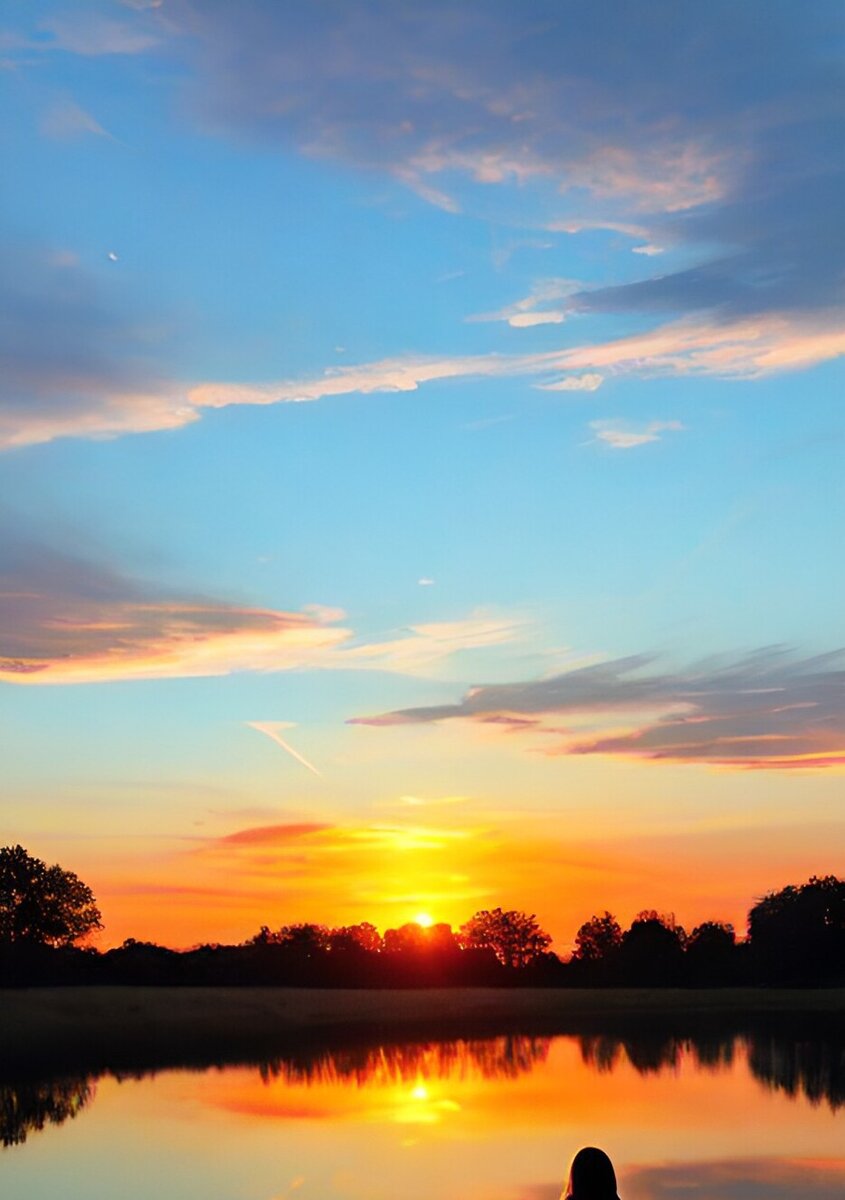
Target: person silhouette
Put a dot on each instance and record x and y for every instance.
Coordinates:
(591, 1177)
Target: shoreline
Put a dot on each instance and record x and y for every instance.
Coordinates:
(96, 1029)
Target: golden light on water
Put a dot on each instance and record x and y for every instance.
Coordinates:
(422, 1105)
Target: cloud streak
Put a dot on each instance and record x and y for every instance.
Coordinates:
(271, 729)
(66, 620)
(67, 119)
(529, 311)
(61, 388)
(273, 835)
(64, 631)
(767, 710)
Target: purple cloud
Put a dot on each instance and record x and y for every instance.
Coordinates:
(768, 709)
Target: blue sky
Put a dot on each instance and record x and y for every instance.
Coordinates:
(357, 355)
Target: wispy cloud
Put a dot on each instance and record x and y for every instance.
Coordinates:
(66, 621)
(531, 310)
(421, 649)
(622, 435)
(273, 835)
(428, 801)
(669, 178)
(747, 348)
(69, 620)
(63, 387)
(767, 710)
(92, 34)
(575, 225)
(574, 383)
(612, 109)
(273, 730)
(67, 119)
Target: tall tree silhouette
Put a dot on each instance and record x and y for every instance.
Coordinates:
(42, 905)
(798, 933)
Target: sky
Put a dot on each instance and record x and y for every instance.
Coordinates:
(421, 452)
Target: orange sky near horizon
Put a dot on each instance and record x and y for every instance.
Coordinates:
(426, 820)
(224, 888)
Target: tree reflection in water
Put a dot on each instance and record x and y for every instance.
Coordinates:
(810, 1067)
(491, 1058)
(813, 1068)
(26, 1108)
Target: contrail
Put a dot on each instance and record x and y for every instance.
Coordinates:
(271, 729)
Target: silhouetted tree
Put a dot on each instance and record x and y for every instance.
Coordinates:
(439, 939)
(652, 951)
(362, 937)
(305, 937)
(711, 953)
(138, 962)
(407, 939)
(418, 956)
(514, 937)
(597, 939)
(264, 937)
(710, 936)
(798, 934)
(42, 905)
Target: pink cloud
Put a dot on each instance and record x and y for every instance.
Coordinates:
(273, 835)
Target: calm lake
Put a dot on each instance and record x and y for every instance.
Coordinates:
(721, 1118)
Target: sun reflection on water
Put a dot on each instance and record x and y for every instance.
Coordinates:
(422, 1105)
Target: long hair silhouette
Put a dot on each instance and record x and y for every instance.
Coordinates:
(591, 1176)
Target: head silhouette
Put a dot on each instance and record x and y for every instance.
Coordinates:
(591, 1176)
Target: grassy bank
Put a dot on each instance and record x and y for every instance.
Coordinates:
(94, 1029)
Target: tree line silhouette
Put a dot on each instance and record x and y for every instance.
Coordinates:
(795, 937)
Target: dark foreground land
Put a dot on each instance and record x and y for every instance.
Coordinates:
(131, 1028)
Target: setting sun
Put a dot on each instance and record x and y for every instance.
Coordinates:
(424, 919)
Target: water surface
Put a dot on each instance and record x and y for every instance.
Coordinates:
(717, 1118)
